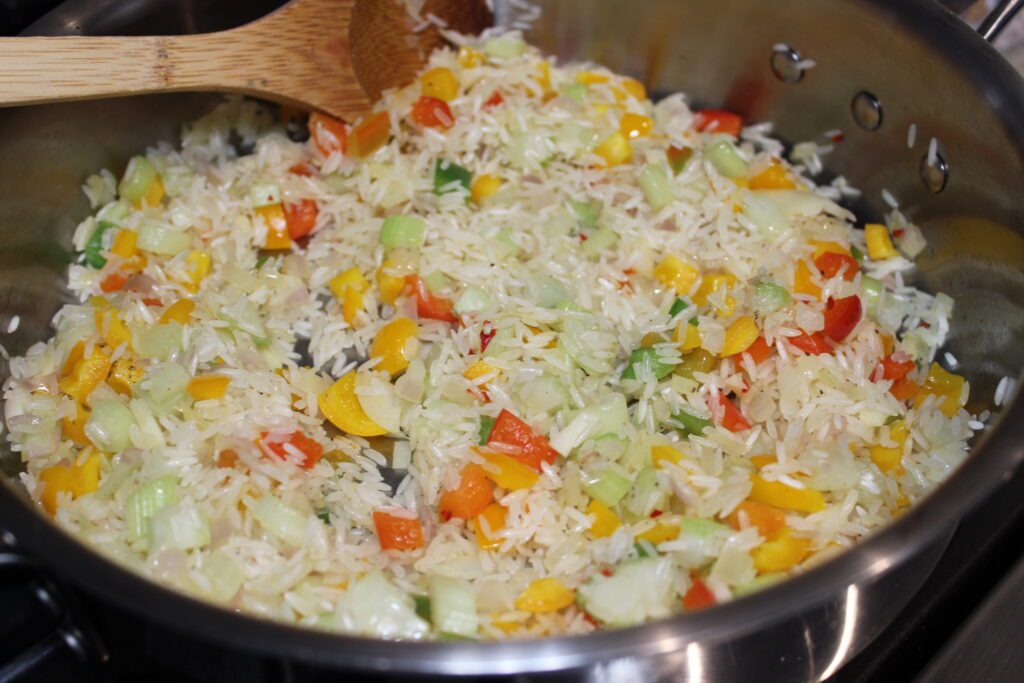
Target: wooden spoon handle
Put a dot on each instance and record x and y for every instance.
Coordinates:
(261, 58)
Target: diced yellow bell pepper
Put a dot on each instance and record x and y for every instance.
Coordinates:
(153, 196)
(712, 282)
(676, 274)
(340, 404)
(479, 369)
(659, 533)
(878, 242)
(543, 76)
(762, 461)
(494, 514)
(945, 385)
(78, 479)
(391, 286)
(780, 554)
(822, 247)
(470, 58)
(199, 264)
(887, 458)
(545, 595)
(740, 334)
(351, 304)
(440, 83)
(124, 374)
(665, 453)
(484, 186)
(507, 626)
(632, 88)
(180, 312)
(111, 328)
(605, 521)
(802, 282)
(208, 387)
(687, 336)
(85, 375)
(74, 429)
(125, 244)
(591, 78)
(635, 125)
(615, 149)
(775, 177)
(392, 345)
(507, 472)
(780, 495)
(348, 287)
(277, 227)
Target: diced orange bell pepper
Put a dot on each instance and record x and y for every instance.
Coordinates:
(397, 530)
(718, 121)
(775, 177)
(370, 135)
(393, 347)
(473, 494)
(699, 596)
(802, 281)
(946, 386)
(310, 450)
(328, 134)
(74, 428)
(277, 227)
(431, 112)
(85, 375)
(768, 521)
(512, 434)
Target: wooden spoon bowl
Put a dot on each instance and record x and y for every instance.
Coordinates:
(333, 55)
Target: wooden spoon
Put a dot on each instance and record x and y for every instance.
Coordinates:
(333, 55)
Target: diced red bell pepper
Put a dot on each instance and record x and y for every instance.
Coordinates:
(469, 499)
(486, 335)
(328, 134)
(301, 218)
(430, 306)
(698, 597)
(841, 316)
(310, 449)
(432, 113)
(759, 351)
(531, 448)
(718, 121)
(494, 100)
(897, 369)
(905, 389)
(813, 344)
(303, 169)
(114, 281)
(397, 532)
(726, 414)
(830, 263)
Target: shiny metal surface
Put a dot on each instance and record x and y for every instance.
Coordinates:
(998, 18)
(924, 66)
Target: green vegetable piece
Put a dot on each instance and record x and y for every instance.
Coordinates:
(138, 176)
(654, 182)
(403, 231)
(486, 425)
(645, 549)
(609, 488)
(586, 213)
(94, 246)
(678, 157)
(697, 360)
(646, 356)
(873, 290)
(422, 603)
(770, 297)
(857, 253)
(688, 423)
(446, 173)
(324, 514)
(678, 306)
(726, 160)
(143, 504)
(576, 92)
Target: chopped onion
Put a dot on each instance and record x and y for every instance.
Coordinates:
(576, 432)
(770, 297)
(407, 232)
(137, 178)
(638, 590)
(472, 299)
(179, 527)
(505, 46)
(544, 393)
(549, 292)
(911, 242)
(109, 426)
(280, 520)
(143, 504)
(764, 214)
(167, 384)
(373, 606)
(224, 575)
(609, 487)
(264, 194)
(159, 342)
(378, 399)
(453, 607)
(158, 239)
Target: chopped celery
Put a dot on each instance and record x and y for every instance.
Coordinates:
(453, 607)
(609, 487)
(158, 239)
(180, 527)
(545, 393)
(697, 360)
(586, 213)
(646, 494)
(701, 528)
(645, 362)
(435, 281)
(873, 290)
(576, 92)
(770, 297)
(764, 214)
(449, 176)
(422, 603)
(654, 182)
(486, 425)
(224, 575)
(282, 521)
(264, 194)
(137, 178)
(143, 504)
(689, 423)
(504, 245)
(472, 299)
(599, 241)
(109, 426)
(159, 342)
(167, 384)
(246, 317)
(576, 432)
(94, 246)
(505, 46)
(611, 415)
(726, 160)
(550, 293)
(403, 231)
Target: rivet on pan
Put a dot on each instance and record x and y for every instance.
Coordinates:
(8, 539)
(787, 64)
(867, 110)
(934, 175)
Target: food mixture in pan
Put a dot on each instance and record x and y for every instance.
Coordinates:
(522, 353)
